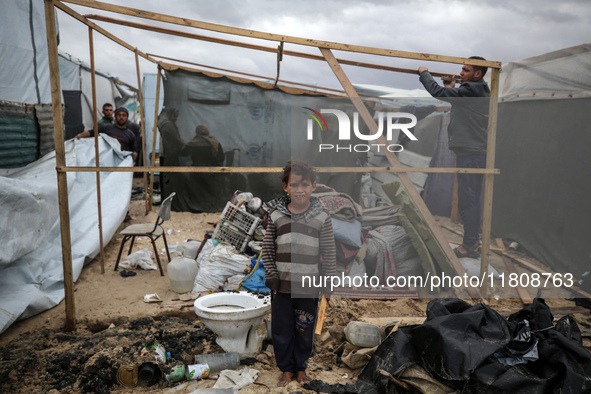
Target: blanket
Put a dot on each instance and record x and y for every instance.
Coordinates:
(340, 206)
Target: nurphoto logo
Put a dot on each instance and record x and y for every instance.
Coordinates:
(344, 132)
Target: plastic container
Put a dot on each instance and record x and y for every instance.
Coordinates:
(243, 220)
(231, 235)
(219, 361)
(188, 249)
(181, 273)
(363, 334)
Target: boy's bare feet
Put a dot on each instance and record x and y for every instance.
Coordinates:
(302, 378)
(285, 379)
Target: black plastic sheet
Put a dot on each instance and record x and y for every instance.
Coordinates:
(457, 342)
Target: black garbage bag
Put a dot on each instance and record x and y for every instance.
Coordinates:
(457, 342)
(538, 315)
(563, 366)
(451, 345)
(394, 355)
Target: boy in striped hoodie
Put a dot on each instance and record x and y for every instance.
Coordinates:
(299, 243)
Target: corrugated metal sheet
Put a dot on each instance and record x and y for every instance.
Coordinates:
(44, 114)
(19, 135)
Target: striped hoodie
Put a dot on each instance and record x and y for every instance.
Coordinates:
(298, 245)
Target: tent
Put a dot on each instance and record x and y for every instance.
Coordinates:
(541, 199)
(25, 92)
(31, 270)
(76, 84)
(259, 127)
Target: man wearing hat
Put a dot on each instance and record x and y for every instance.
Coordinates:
(118, 130)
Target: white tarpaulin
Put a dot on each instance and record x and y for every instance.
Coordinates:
(31, 269)
(565, 73)
(24, 75)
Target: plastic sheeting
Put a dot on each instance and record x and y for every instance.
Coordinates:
(562, 73)
(261, 127)
(31, 268)
(149, 99)
(24, 75)
(541, 198)
(457, 343)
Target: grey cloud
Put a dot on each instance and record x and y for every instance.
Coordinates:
(500, 30)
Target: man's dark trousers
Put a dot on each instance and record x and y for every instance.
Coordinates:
(292, 326)
(469, 193)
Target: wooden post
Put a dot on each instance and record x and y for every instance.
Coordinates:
(404, 178)
(523, 294)
(454, 200)
(321, 316)
(154, 131)
(489, 178)
(142, 122)
(60, 160)
(96, 149)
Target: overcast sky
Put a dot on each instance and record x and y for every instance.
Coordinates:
(499, 30)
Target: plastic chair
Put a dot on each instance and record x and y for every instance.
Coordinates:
(152, 231)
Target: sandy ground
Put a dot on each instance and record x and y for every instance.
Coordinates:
(113, 323)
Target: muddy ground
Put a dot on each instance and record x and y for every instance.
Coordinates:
(113, 324)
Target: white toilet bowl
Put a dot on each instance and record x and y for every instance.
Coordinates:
(236, 319)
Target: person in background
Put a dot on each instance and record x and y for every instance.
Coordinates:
(172, 143)
(204, 149)
(107, 114)
(118, 130)
(468, 132)
(299, 242)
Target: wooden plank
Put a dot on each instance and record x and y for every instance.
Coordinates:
(489, 178)
(60, 159)
(426, 260)
(523, 294)
(251, 169)
(99, 29)
(263, 48)
(404, 178)
(142, 123)
(400, 196)
(321, 316)
(96, 150)
(534, 268)
(259, 83)
(262, 77)
(154, 131)
(278, 37)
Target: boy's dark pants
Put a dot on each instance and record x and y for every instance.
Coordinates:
(292, 327)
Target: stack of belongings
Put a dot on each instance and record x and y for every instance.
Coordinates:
(371, 246)
(228, 261)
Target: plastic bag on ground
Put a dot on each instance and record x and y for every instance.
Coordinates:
(233, 282)
(236, 379)
(141, 258)
(256, 281)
